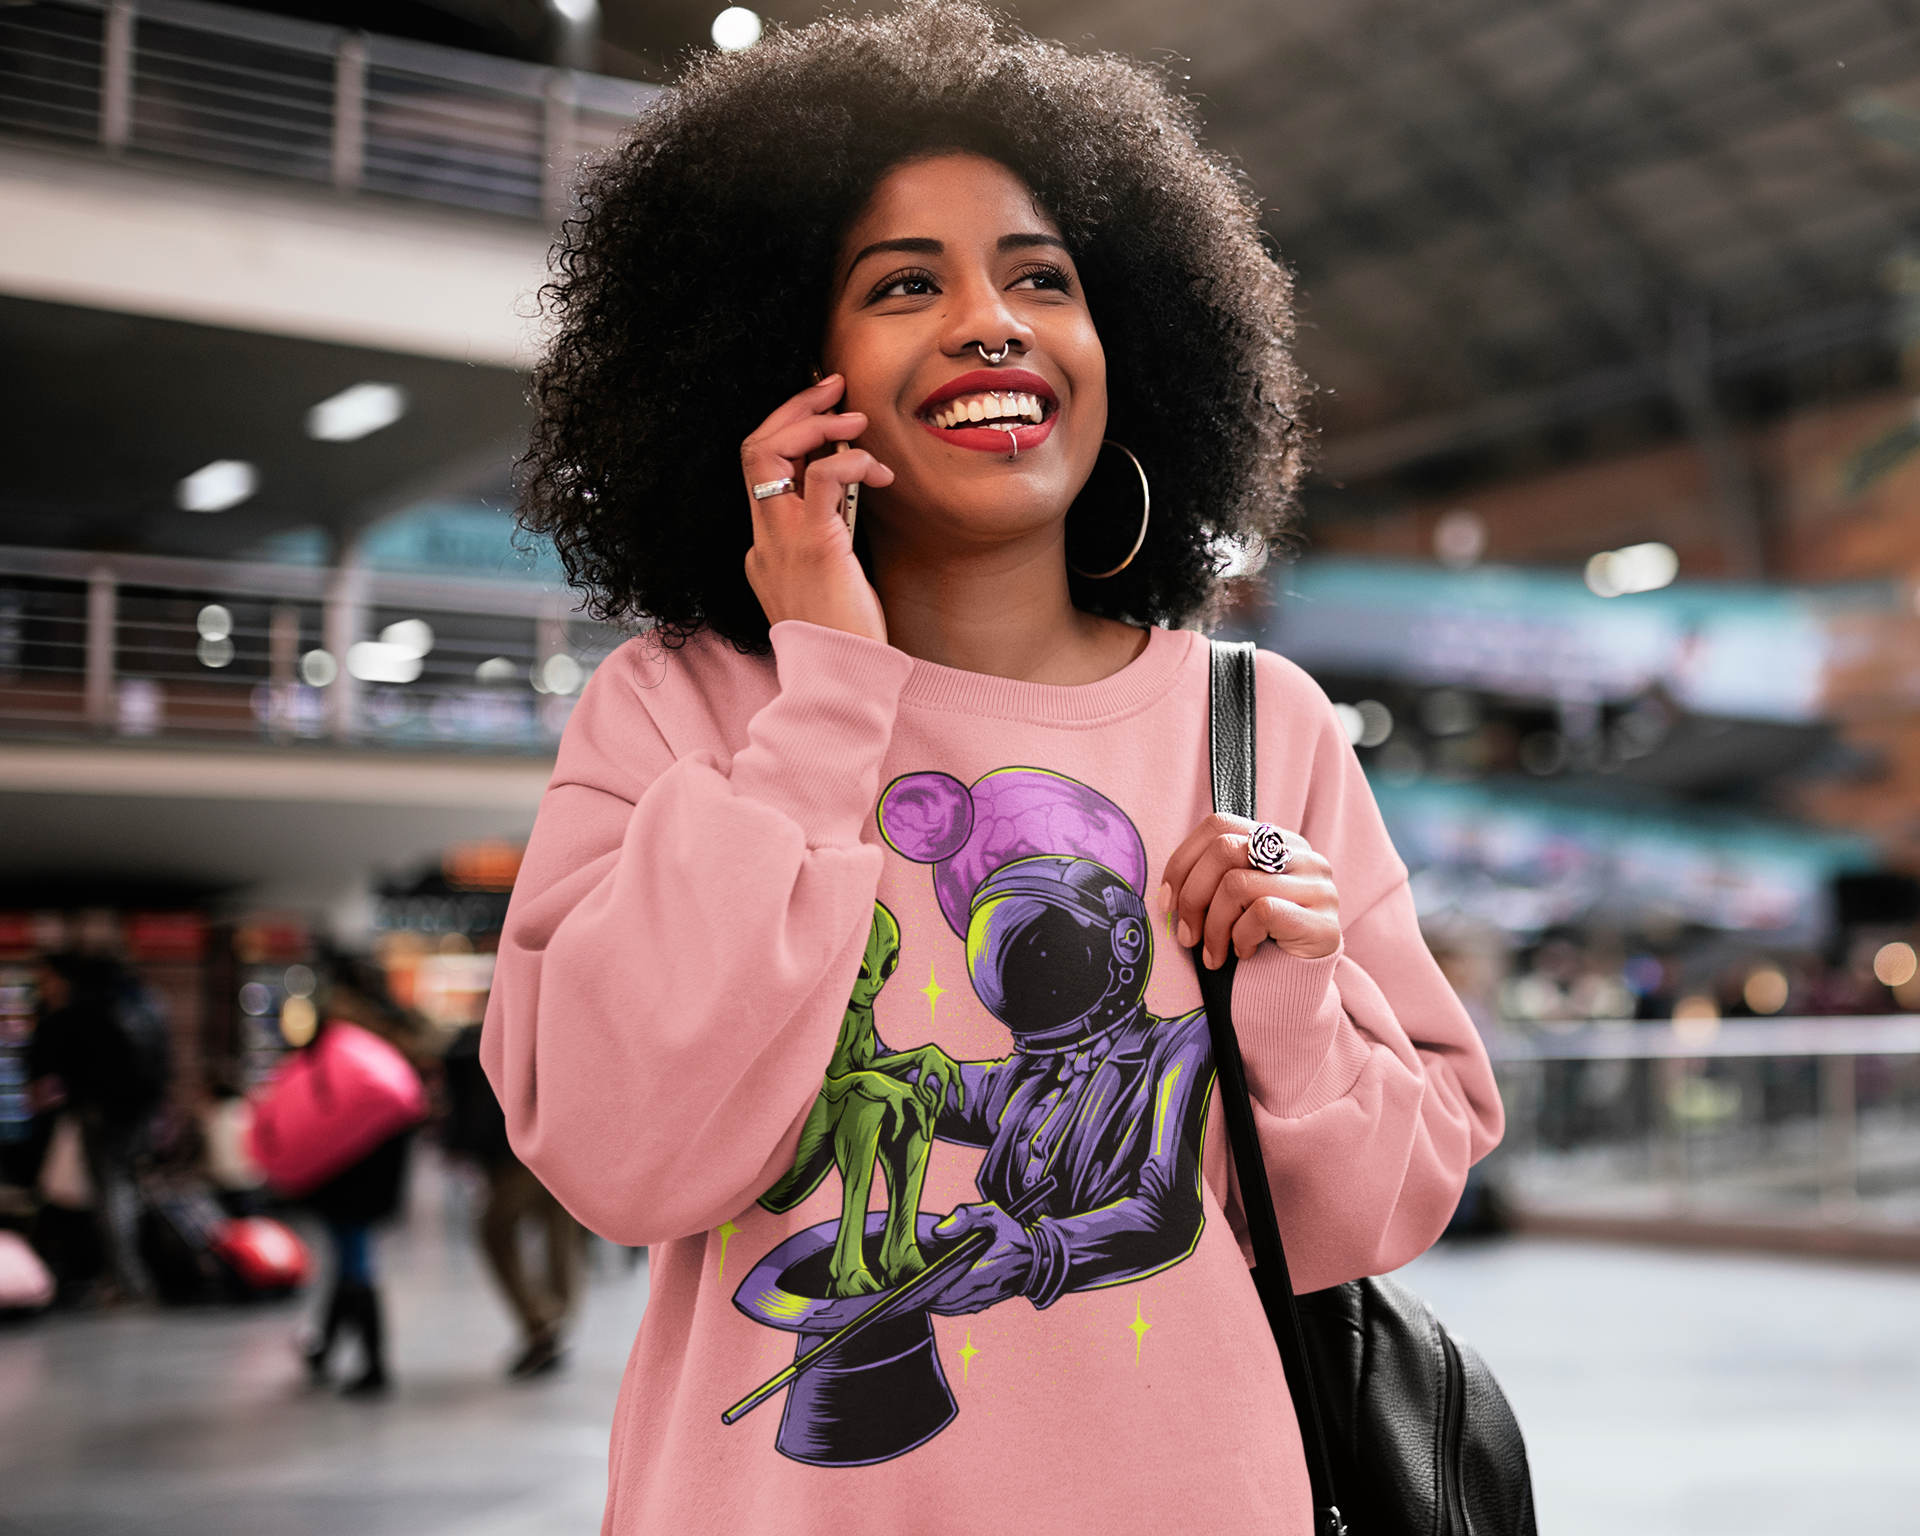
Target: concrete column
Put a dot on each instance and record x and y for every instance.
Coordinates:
(116, 76)
(1839, 1152)
(102, 611)
(561, 154)
(344, 625)
(349, 111)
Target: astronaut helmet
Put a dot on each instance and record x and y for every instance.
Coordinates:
(1058, 948)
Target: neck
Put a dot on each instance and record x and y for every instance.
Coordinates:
(1003, 610)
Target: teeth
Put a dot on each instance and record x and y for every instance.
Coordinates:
(990, 407)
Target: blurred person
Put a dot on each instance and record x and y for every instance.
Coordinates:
(99, 1056)
(477, 1128)
(369, 1192)
(846, 754)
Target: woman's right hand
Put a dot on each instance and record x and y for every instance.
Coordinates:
(802, 564)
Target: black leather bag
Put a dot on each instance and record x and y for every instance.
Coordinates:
(1405, 1430)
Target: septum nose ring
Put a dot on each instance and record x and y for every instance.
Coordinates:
(994, 357)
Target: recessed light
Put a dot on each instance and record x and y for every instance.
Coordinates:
(357, 412)
(217, 486)
(736, 29)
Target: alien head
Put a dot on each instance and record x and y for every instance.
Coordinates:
(880, 961)
(1058, 948)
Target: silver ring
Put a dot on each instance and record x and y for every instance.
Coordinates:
(767, 488)
(1267, 849)
(994, 357)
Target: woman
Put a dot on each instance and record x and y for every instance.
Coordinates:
(364, 1194)
(868, 869)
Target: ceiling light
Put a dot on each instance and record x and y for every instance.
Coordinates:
(735, 29)
(318, 669)
(214, 622)
(496, 669)
(356, 412)
(1637, 568)
(414, 636)
(215, 487)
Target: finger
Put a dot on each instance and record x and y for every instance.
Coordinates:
(828, 478)
(1267, 917)
(792, 443)
(1225, 852)
(1236, 890)
(1180, 865)
(811, 401)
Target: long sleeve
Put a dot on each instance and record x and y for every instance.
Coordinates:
(1373, 1094)
(688, 920)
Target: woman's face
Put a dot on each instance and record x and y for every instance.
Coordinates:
(952, 251)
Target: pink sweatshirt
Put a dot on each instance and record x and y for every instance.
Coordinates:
(838, 979)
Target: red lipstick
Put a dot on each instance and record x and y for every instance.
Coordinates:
(1008, 441)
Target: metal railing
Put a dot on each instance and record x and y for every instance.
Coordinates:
(141, 646)
(1799, 1121)
(204, 83)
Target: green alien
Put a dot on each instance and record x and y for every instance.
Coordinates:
(869, 1112)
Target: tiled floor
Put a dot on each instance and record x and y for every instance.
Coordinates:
(1691, 1394)
(1662, 1394)
(148, 1423)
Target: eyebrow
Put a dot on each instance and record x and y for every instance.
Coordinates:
(921, 245)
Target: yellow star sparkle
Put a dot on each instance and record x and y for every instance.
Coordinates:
(1138, 1328)
(727, 1232)
(932, 992)
(967, 1352)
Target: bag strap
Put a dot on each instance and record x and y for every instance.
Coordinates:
(1231, 740)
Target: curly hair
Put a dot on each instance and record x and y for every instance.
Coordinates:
(689, 297)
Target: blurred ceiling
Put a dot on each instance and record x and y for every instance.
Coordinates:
(109, 411)
(1517, 219)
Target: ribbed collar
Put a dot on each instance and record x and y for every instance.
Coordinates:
(1139, 683)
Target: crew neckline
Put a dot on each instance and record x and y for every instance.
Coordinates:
(1139, 683)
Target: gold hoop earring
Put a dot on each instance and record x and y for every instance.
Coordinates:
(1146, 511)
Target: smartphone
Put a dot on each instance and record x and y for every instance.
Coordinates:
(850, 498)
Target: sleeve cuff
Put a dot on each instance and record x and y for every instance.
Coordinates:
(1287, 1014)
(814, 751)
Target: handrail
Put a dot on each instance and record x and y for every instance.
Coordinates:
(241, 578)
(1696, 1039)
(306, 101)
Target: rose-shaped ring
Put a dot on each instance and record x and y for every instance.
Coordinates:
(1267, 849)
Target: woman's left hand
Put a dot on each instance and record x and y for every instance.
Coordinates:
(1217, 895)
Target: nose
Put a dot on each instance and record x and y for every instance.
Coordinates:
(982, 320)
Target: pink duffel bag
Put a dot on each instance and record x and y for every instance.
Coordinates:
(25, 1284)
(330, 1105)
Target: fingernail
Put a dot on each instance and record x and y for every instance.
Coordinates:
(1212, 964)
(1166, 896)
(1186, 935)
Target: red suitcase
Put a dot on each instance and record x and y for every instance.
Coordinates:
(264, 1254)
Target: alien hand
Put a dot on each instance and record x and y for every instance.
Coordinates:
(902, 1105)
(937, 1075)
(999, 1273)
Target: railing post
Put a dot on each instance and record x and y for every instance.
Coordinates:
(102, 607)
(561, 126)
(342, 623)
(283, 660)
(349, 111)
(116, 76)
(1839, 1152)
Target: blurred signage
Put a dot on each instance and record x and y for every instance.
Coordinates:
(1525, 860)
(1744, 652)
(166, 936)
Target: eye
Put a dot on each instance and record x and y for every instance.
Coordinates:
(912, 284)
(1043, 275)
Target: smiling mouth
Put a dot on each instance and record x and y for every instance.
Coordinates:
(1001, 410)
(990, 408)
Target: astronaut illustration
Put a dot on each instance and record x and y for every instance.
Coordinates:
(1091, 1129)
(869, 1113)
(1042, 877)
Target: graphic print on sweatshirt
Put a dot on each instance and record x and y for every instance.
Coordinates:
(1090, 1130)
